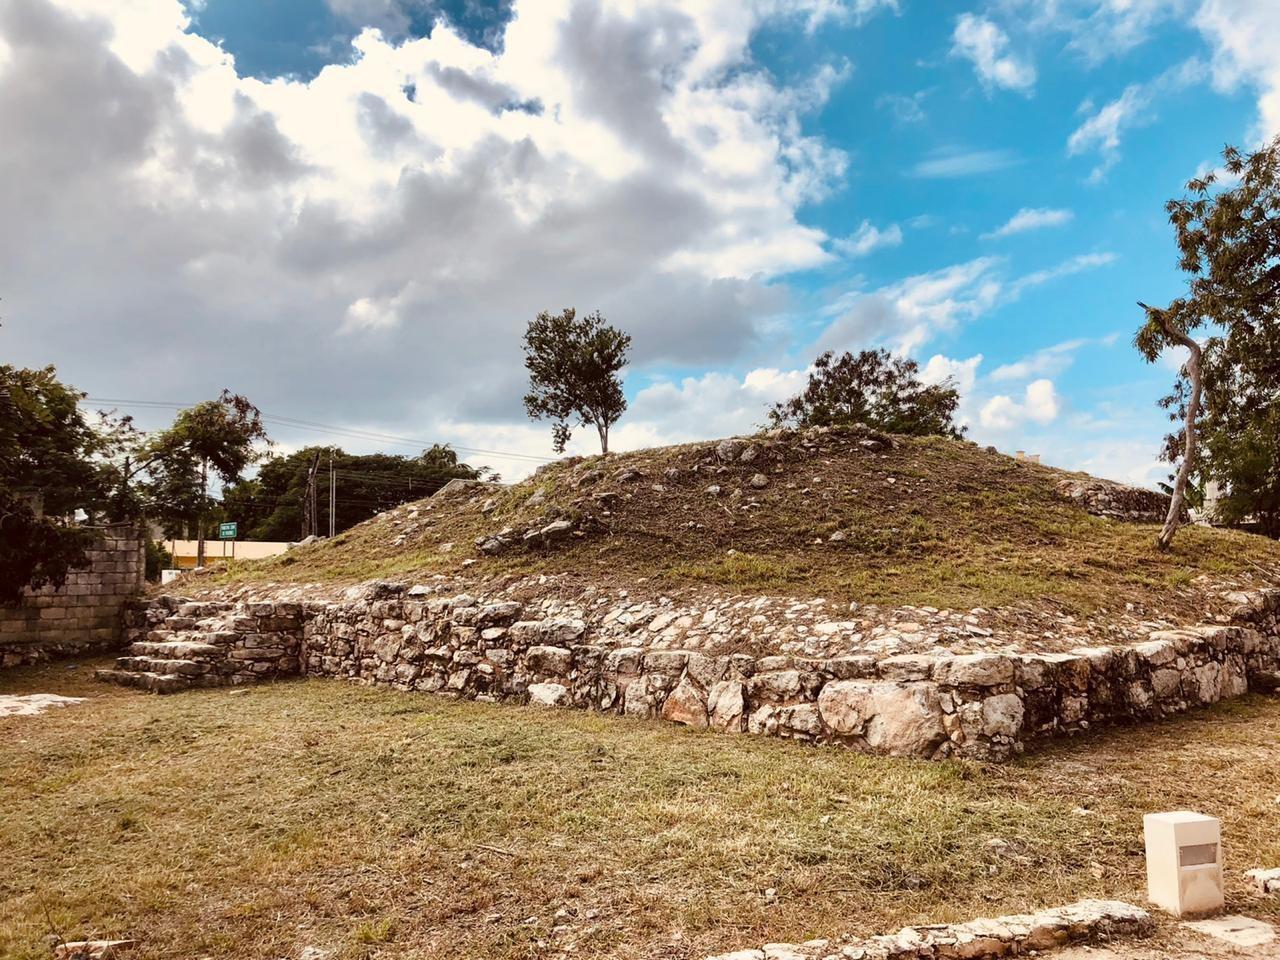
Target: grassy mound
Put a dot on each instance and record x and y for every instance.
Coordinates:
(838, 514)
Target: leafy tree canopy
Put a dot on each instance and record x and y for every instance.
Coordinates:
(873, 388)
(573, 373)
(219, 436)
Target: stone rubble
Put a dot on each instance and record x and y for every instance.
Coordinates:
(1267, 882)
(1116, 501)
(1087, 921)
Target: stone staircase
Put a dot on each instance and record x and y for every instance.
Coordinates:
(189, 646)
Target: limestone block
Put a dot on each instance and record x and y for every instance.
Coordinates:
(686, 705)
(974, 670)
(727, 705)
(900, 719)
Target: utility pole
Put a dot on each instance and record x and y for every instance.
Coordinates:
(310, 522)
(333, 494)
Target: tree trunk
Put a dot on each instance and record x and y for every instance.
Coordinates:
(603, 430)
(204, 495)
(1177, 502)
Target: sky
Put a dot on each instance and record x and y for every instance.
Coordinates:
(348, 210)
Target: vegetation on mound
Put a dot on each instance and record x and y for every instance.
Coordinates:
(389, 824)
(839, 514)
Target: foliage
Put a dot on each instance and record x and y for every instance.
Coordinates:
(1229, 243)
(47, 472)
(157, 559)
(573, 373)
(218, 436)
(35, 551)
(47, 447)
(270, 506)
(873, 388)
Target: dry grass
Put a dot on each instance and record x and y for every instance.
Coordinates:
(931, 522)
(387, 824)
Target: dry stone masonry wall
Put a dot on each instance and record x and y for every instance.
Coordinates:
(985, 705)
(84, 615)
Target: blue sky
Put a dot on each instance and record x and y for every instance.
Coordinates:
(352, 206)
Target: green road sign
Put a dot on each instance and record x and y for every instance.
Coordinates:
(227, 531)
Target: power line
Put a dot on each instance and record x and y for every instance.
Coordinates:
(355, 434)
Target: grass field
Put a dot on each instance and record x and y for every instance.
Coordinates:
(386, 824)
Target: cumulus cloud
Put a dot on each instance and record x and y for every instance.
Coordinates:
(868, 238)
(963, 373)
(983, 43)
(366, 246)
(1039, 404)
(1029, 218)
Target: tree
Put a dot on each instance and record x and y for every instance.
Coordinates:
(1226, 394)
(218, 436)
(270, 506)
(47, 472)
(873, 388)
(573, 373)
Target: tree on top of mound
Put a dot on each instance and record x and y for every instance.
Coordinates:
(573, 368)
(873, 388)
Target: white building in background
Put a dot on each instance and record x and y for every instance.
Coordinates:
(219, 551)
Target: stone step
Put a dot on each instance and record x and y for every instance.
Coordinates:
(176, 650)
(222, 635)
(203, 609)
(179, 623)
(185, 668)
(155, 682)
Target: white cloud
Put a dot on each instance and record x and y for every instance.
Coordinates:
(948, 163)
(368, 314)
(905, 109)
(1103, 129)
(1029, 218)
(1245, 35)
(868, 238)
(1050, 360)
(630, 157)
(1097, 29)
(1076, 264)
(980, 41)
(909, 313)
(963, 373)
(1039, 404)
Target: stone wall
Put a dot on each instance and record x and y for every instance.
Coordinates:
(979, 705)
(84, 615)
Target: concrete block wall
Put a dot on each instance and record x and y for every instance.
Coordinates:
(84, 616)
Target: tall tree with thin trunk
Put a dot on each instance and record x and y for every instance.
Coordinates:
(1163, 329)
(574, 367)
(1226, 399)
